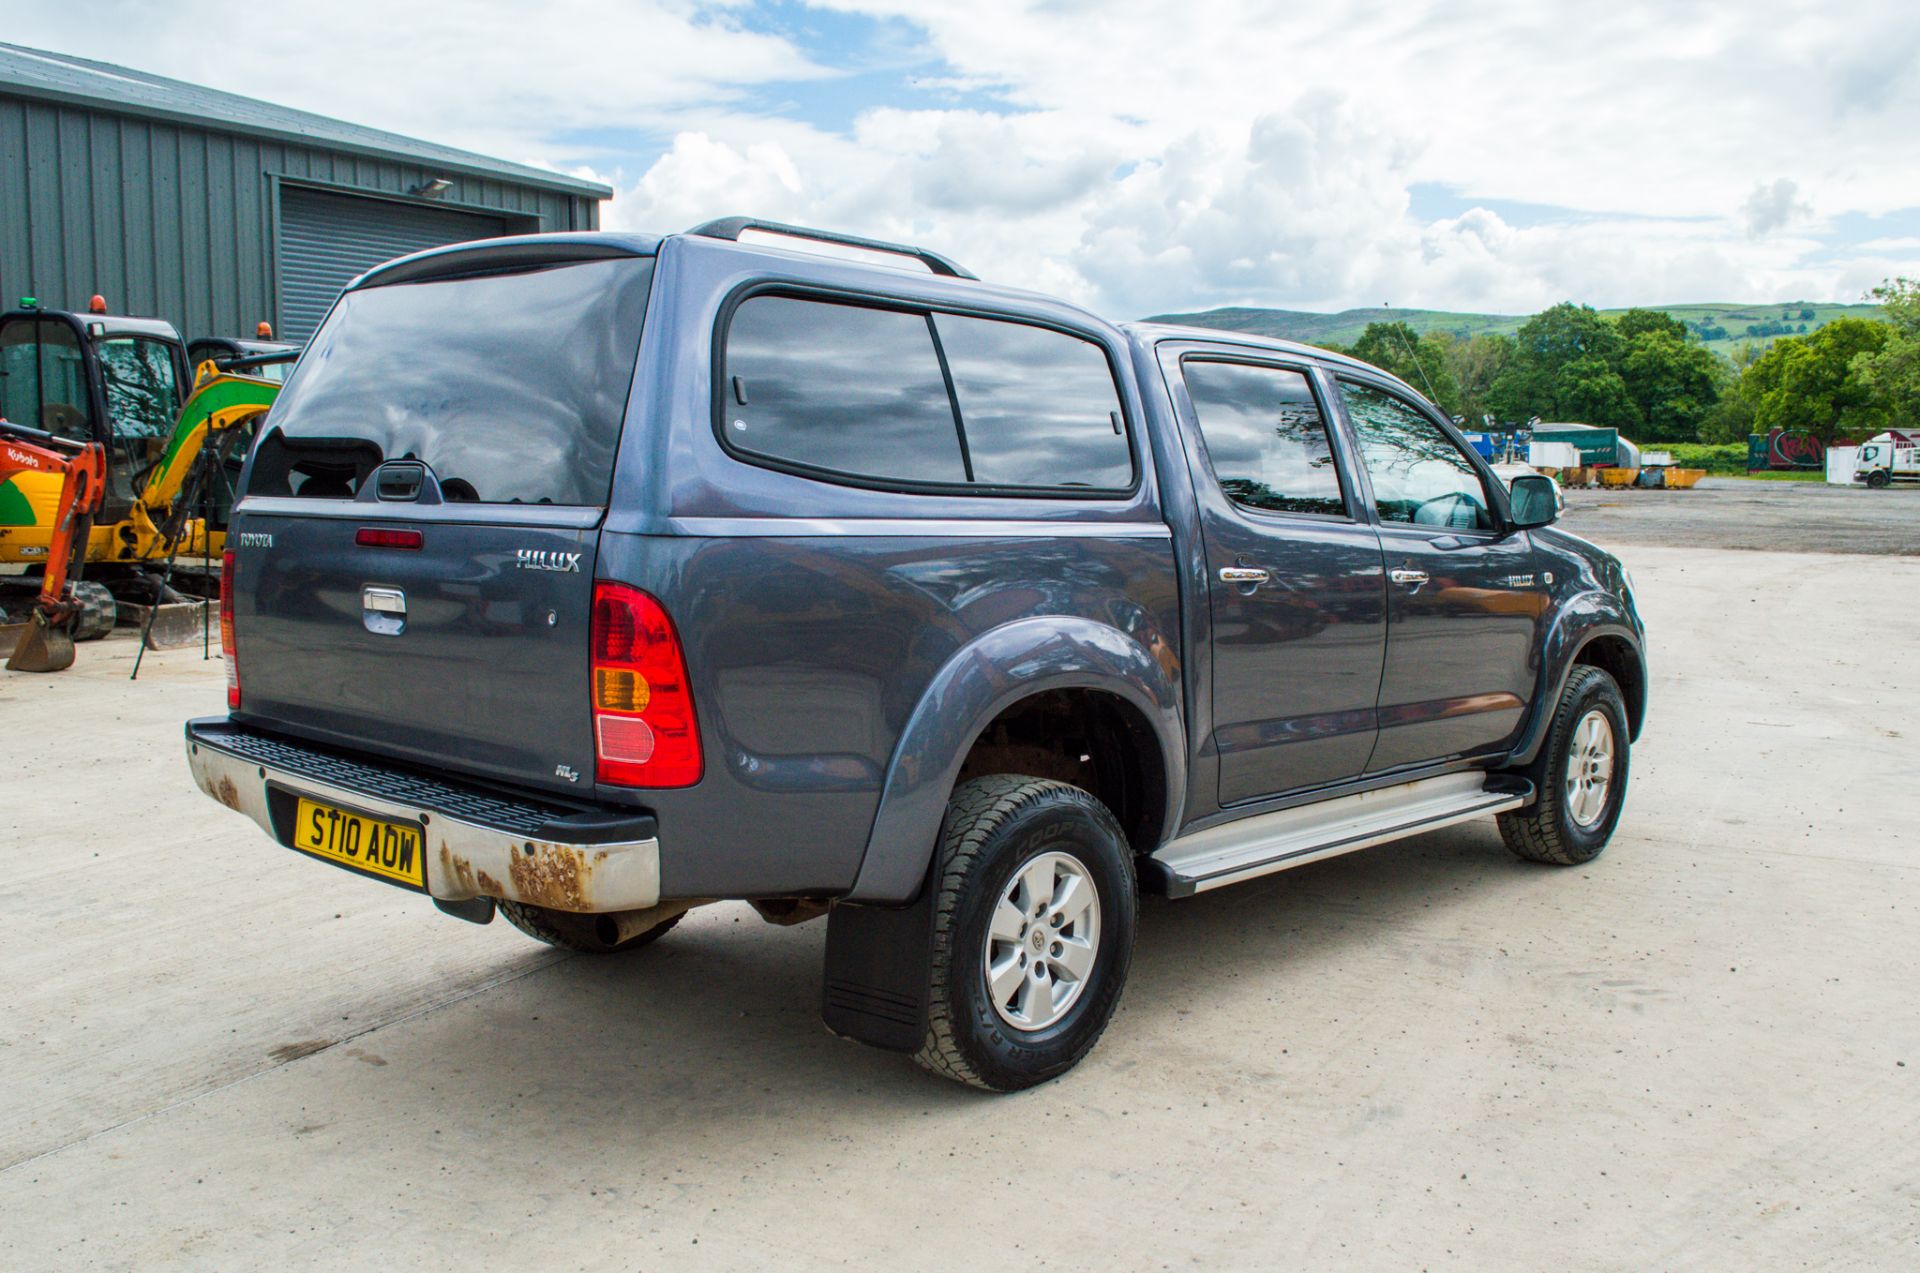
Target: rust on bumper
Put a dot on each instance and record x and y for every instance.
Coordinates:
(465, 859)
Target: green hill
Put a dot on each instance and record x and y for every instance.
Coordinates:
(1723, 328)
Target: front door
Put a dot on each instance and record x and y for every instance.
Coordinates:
(1463, 601)
(1293, 578)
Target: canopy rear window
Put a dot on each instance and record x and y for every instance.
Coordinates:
(510, 386)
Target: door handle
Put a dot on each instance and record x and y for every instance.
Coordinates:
(1415, 577)
(1242, 574)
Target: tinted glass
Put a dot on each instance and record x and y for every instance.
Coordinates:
(511, 387)
(1419, 476)
(143, 391)
(840, 387)
(1265, 436)
(1039, 406)
(43, 378)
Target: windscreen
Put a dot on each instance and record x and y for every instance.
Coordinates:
(510, 386)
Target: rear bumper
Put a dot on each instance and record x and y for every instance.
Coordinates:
(478, 843)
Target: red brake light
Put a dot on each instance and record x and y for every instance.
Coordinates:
(228, 652)
(645, 733)
(382, 537)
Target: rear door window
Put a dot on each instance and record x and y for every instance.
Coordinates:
(1038, 406)
(1265, 437)
(841, 389)
(511, 386)
(908, 397)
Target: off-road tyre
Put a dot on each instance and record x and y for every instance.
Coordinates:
(994, 828)
(1879, 480)
(576, 932)
(1546, 831)
(97, 610)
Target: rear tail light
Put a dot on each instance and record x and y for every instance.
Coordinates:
(227, 651)
(644, 730)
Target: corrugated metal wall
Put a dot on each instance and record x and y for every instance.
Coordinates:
(178, 223)
(327, 240)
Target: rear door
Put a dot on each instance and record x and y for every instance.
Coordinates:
(1463, 600)
(1293, 580)
(416, 544)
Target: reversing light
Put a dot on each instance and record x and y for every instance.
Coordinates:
(645, 733)
(386, 537)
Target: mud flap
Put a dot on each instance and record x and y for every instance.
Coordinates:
(879, 963)
(42, 647)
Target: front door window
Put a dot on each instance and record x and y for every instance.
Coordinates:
(1419, 476)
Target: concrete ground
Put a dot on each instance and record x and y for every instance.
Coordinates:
(1700, 1052)
(1734, 512)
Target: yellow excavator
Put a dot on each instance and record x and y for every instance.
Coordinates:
(172, 437)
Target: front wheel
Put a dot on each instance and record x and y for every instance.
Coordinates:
(1581, 776)
(1879, 480)
(1034, 910)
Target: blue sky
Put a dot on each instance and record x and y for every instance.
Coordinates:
(1467, 154)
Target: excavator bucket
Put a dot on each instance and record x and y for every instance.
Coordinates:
(174, 624)
(42, 648)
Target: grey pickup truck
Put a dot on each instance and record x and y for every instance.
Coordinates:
(588, 578)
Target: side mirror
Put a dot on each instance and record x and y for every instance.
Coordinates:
(1532, 501)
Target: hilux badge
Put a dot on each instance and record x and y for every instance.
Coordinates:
(544, 559)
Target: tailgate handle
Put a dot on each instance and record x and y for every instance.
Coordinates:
(385, 600)
(383, 610)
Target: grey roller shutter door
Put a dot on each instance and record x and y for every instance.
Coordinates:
(326, 240)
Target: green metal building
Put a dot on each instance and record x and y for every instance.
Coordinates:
(216, 211)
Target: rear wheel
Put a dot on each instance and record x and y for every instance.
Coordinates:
(1581, 776)
(1033, 931)
(588, 934)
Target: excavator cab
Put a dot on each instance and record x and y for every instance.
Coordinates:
(95, 377)
(125, 386)
(262, 356)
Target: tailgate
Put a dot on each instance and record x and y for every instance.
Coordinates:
(468, 652)
(414, 548)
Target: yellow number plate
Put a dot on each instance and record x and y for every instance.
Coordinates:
(387, 849)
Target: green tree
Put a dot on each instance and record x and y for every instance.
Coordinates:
(1419, 360)
(1673, 383)
(1821, 382)
(1641, 322)
(1475, 363)
(1892, 373)
(1564, 367)
(1589, 390)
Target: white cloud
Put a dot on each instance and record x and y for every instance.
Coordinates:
(1775, 206)
(1140, 156)
(495, 76)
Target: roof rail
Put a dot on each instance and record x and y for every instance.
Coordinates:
(732, 227)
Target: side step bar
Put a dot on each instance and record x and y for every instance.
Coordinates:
(1268, 842)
